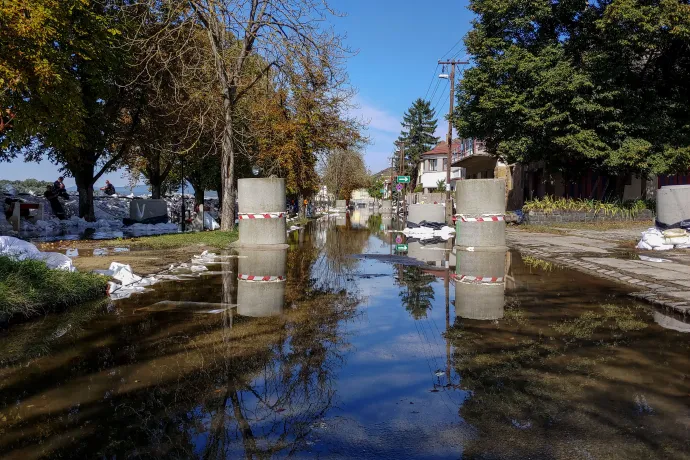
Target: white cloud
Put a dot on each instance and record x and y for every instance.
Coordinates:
(376, 118)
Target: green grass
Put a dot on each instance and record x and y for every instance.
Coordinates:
(561, 228)
(29, 288)
(550, 204)
(216, 239)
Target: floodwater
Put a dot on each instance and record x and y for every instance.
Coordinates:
(344, 357)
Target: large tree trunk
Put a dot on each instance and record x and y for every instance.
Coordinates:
(84, 180)
(227, 215)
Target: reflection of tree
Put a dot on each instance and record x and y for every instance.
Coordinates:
(418, 293)
(567, 382)
(171, 385)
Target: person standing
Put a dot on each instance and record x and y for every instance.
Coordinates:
(52, 196)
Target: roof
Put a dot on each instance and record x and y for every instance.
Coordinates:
(442, 148)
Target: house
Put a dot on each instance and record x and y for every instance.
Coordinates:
(434, 165)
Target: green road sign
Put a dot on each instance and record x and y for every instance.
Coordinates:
(403, 179)
(401, 247)
(383, 190)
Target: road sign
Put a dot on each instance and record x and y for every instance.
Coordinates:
(399, 187)
(383, 190)
(398, 239)
(401, 247)
(403, 179)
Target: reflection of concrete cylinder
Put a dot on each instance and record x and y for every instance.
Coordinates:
(261, 211)
(386, 207)
(340, 204)
(479, 284)
(428, 212)
(261, 282)
(673, 204)
(480, 207)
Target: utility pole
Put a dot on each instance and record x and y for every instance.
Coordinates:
(401, 168)
(449, 137)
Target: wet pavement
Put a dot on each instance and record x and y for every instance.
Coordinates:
(339, 348)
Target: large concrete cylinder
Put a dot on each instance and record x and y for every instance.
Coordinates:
(386, 207)
(480, 205)
(673, 206)
(341, 204)
(261, 278)
(261, 211)
(480, 284)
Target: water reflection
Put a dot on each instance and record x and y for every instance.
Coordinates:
(261, 282)
(479, 284)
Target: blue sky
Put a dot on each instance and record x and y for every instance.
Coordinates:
(398, 44)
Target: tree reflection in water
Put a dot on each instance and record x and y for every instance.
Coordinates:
(417, 293)
(185, 385)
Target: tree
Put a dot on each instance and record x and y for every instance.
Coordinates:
(345, 172)
(419, 124)
(375, 187)
(418, 293)
(578, 85)
(284, 34)
(62, 71)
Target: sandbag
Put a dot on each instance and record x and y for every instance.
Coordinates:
(17, 249)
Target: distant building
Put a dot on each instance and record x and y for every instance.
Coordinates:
(434, 165)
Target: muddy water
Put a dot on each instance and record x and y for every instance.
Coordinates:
(342, 357)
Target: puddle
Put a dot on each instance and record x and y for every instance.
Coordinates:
(341, 347)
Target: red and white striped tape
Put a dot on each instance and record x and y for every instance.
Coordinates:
(265, 215)
(480, 219)
(260, 278)
(477, 279)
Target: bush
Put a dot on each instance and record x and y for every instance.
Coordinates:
(29, 288)
(550, 204)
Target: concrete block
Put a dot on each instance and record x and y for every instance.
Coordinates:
(480, 196)
(485, 264)
(386, 207)
(340, 204)
(480, 234)
(260, 196)
(261, 298)
(432, 254)
(428, 212)
(673, 205)
(140, 210)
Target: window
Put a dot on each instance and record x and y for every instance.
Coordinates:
(445, 164)
(432, 165)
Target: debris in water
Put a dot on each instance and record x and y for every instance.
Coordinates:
(521, 425)
(642, 406)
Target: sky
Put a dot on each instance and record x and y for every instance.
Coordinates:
(397, 45)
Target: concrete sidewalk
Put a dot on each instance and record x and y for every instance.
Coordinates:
(599, 253)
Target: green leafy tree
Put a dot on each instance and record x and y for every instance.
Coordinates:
(63, 78)
(419, 124)
(375, 188)
(579, 85)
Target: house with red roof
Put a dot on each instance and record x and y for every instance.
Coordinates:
(434, 165)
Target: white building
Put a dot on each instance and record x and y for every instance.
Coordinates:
(434, 165)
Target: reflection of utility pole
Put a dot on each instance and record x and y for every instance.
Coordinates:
(401, 169)
(449, 205)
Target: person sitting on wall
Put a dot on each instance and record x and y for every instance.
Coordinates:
(55, 204)
(109, 188)
(59, 188)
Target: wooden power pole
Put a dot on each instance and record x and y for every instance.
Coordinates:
(449, 137)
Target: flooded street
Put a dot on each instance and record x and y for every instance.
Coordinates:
(340, 347)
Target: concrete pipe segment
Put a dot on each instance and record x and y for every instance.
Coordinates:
(480, 205)
(261, 283)
(261, 211)
(673, 206)
(480, 284)
(429, 212)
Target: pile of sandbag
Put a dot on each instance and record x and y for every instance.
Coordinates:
(658, 240)
(23, 250)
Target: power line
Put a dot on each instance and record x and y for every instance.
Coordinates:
(433, 77)
(453, 47)
(441, 96)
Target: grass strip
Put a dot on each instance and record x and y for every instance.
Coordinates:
(215, 239)
(29, 288)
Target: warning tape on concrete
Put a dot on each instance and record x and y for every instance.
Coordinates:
(265, 215)
(260, 278)
(477, 279)
(486, 218)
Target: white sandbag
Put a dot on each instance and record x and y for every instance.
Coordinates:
(663, 247)
(123, 273)
(644, 245)
(17, 249)
(653, 237)
(209, 222)
(56, 261)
